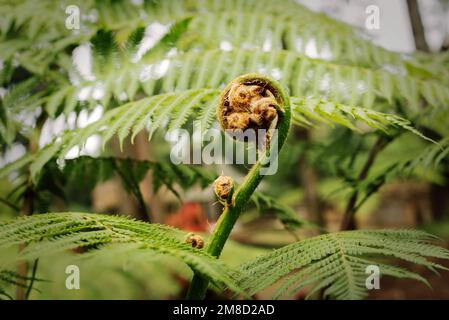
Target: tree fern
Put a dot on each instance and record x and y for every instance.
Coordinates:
(336, 262)
(46, 234)
(207, 44)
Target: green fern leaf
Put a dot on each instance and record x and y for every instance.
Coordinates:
(46, 234)
(302, 75)
(336, 262)
(175, 108)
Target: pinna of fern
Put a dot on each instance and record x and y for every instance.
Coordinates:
(334, 262)
(303, 76)
(52, 233)
(337, 262)
(177, 107)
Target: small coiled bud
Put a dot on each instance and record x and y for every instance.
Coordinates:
(223, 187)
(195, 240)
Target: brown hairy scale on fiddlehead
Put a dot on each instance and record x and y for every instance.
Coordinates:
(195, 240)
(248, 104)
(223, 187)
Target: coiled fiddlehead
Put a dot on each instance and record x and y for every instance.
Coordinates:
(251, 101)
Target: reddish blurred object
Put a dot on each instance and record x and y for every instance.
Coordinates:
(189, 217)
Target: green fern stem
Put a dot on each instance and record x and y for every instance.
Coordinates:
(244, 192)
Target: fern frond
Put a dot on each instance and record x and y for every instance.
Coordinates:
(303, 76)
(295, 31)
(262, 24)
(353, 85)
(429, 157)
(328, 112)
(283, 25)
(33, 33)
(437, 63)
(213, 68)
(173, 109)
(21, 99)
(337, 262)
(46, 234)
(31, 17)
(117, 69)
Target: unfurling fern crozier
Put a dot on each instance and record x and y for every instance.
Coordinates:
(250, 101)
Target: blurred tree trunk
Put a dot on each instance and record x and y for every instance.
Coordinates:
(349, 222)
(439, 196)
(445, 45)
(417, 26)
(438, 193)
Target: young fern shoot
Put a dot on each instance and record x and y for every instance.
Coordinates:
(251, 101)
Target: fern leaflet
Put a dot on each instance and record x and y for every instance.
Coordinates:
(336, 262)
(46, 234)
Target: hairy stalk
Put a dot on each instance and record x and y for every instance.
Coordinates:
(250, 84)
(348, 222)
